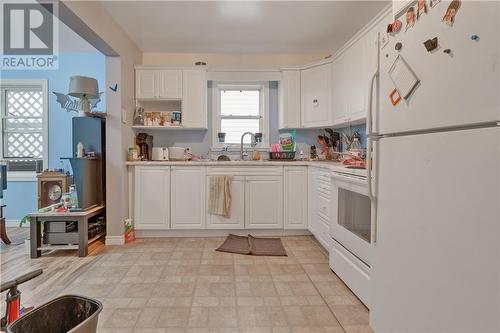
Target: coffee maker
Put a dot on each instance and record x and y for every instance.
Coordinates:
(145, 143)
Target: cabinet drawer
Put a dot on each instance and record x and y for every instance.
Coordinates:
(322, 233)
(323, 206)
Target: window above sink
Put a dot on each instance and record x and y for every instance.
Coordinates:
(240, 107)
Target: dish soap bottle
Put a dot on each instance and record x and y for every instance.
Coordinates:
(255, 155)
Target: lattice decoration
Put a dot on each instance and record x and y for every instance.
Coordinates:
(24, 145)
(24, 103)
(23, 124)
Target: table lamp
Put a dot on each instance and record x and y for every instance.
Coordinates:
(84, 88)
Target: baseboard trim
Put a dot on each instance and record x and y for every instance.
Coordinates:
(115, 240)
(219, 233)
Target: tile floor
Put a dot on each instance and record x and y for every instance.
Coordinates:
(183, 285)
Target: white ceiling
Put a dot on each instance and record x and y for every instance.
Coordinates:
(242, 26)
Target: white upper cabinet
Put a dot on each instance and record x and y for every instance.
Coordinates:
(146, 83)
(315, 96)
(289, 108)
(188, 197)
(351, 74)
(194, 99)
(170, 83)
(340, 90)
(155, 83)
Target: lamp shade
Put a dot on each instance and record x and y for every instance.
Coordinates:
(80, 86)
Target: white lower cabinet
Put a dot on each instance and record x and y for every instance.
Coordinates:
(264, 202)
(176, 197)
(319, 205)
(295, 197)
(188, 197)
(236, 220)
(152, 197)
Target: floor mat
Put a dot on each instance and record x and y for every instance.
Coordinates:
(258, 246)
(235, 244)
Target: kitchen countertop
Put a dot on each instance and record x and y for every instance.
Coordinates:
(333, 166)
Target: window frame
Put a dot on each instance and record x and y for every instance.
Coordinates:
(24, 176)
(217, 87)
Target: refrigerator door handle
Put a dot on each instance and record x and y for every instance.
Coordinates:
(369, 161)
(369, 148)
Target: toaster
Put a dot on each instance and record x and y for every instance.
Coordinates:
(160, 154)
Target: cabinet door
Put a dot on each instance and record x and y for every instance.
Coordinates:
(237, 218)
(264, 202)
(188, 197)
(295, 197)
(146, 83)
(365, 54)
(340, 90)
(315, 96)
(152, 197)
(312, 204)
(357, 59)
(170, 83)
(289, 108)
(194, 100)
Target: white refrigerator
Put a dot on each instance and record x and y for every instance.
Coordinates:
(436, 176)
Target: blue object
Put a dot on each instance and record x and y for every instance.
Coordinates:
(474, 38)
(3, 179)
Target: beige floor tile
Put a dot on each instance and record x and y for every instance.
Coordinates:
(169, 289)
(349, 315)
(173, 317)
(222, 317)
(148, 318)
(219, 289)
(198, 317)
(270, 316)
(320, 316)
(249, 301)
(122, 318)
(358, 329)
(170, 301)
(216, 270)
(183, 285)
(328, 288)
(149, 330)
(256, 288)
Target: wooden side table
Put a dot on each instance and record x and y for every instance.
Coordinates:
(81, 217)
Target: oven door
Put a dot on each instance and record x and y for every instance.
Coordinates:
(351, 215)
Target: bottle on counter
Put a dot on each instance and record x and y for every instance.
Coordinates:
(313, 153)
(79, 150)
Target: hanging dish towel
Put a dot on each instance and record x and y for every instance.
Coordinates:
(219, 201)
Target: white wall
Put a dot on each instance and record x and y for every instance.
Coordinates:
(119, 136)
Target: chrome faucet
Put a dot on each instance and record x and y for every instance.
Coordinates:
(241, 146)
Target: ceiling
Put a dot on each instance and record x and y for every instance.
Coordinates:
(242, 26)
